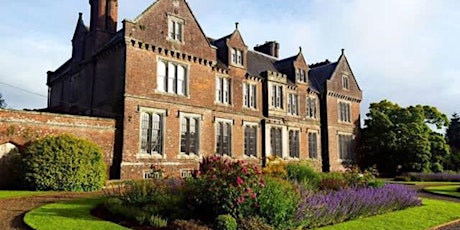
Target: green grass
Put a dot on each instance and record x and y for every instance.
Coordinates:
(430, 214)
(11, 194)
(73, 214)
(451, 190)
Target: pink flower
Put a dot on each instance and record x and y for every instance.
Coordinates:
(254, 196)
(240, 200)
(239, 180)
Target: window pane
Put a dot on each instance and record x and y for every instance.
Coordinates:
(253, 96)
(161, 76)
(226, 87)
(184, 135)
(246, 94)
(218, 89)
(156, 144)
(145, 132)
(171, 78)
(181, 81)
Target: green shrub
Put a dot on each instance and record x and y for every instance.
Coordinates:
(252, 223)
(332, 181)
(277, 202)
(226, 222)
(224, 186)
(157, 221)
(63, 162)
(304, 174)
(159, 196)
(187, 225)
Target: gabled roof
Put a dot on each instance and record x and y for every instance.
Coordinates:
(317, 76)
(136, 20)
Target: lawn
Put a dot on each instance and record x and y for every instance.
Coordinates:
(76, 215)
(451, 190)
(430, 214)
(11, 194)
(73, 214)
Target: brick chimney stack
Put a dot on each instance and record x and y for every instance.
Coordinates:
(104, 15)
(103, 25)
(270, 48)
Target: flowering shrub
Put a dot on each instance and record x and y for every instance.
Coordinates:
(224, 186)
(276, 167)
(331, 207)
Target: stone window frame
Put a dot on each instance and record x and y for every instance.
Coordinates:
(186, 173)
(281, 128)
(199, 119)
(163, 114)
(220, 91)
(298, 141)
(308, 108)
(247, 102)
(301, 75)
(166, 91)
(276, 97)
(345, 82)
(292, 97)
(316, 147)
(172, 35)
(347, 155)
(344, 111)
(236, 57)
(223, 121)
(256, 126)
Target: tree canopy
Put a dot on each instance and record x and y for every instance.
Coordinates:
(453, 139)
(398, 139)
(2, 102)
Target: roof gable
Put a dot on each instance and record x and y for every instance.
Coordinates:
(152, 26)
(343, 67)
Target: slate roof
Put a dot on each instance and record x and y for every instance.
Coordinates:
(259, 63)
(317, 76)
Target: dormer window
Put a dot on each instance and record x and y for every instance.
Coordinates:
(175, 29)
(237, 57)
(345, 83)
(301, 75)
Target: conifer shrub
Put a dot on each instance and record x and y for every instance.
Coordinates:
(63, 163)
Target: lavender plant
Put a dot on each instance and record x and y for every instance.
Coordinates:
(445, 176)
(337, 206)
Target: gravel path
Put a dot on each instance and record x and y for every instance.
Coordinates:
(12, 210)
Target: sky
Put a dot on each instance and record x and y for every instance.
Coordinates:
(400, 50)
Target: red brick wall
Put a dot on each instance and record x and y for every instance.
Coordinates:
(20, 127)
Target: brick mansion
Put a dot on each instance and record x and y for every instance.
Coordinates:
(171, 95)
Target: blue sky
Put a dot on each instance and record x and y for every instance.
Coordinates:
(401, 50)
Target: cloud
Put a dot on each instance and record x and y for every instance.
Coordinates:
(404, 51)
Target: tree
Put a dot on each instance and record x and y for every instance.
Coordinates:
(398, 139)
(2, 102)
(453, 139)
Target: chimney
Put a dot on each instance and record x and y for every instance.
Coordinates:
(270, 48)
(104, 15)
